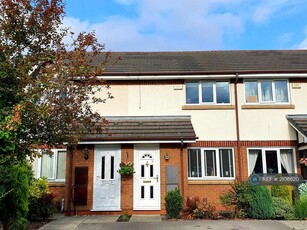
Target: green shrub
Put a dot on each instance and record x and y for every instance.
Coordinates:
(282, 210)
(237, 199)
(173, 203)
(41, 202)
(300, 208)
(282, 191)
(260, 206)
(14, 203)
(302, 190)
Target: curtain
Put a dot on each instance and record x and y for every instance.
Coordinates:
(47, 166)
(253, 155)
(281, 91)
(286, 157)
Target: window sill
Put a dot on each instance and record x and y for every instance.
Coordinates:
(217, 182)
(56, 183)
(207, 107)
(268, 106)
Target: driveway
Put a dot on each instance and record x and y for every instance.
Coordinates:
(152, 222)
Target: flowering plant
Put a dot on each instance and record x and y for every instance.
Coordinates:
(303, 161)
(126, 168)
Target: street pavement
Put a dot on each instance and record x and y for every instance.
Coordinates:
(152, 222)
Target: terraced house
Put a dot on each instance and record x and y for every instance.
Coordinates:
(192, 120)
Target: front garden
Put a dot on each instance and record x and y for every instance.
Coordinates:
(243, 200)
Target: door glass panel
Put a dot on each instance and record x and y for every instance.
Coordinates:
(271, 161)
(151, 170)
(103, 165)
(142, 192)
(112, 168)
(151, 192)
(142, 170)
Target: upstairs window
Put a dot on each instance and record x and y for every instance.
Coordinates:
(207, 92)
(266, 91)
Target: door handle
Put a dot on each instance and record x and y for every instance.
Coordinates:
(157, 178)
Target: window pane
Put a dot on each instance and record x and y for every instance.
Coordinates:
(281, 91)
(35, 167)
(210, 163)
(61, 167)
(207, 91)
(255, 161)
(271, 161)
(112, 168)
(151, 170)
(47, 166)
(194, 163)
(266, 91)
(251, 91)
(192, 96)
(286, 158)
(226, 163)
(222, 92)
(142, 192)
(151, 192)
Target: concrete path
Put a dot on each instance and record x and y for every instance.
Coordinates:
(152, 222)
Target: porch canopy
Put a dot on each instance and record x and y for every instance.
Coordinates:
(299, 123)
(143, 129)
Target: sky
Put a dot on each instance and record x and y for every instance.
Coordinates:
(191, 25)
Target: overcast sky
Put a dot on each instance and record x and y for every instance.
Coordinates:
(182, 25)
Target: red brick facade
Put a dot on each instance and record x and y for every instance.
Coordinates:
(177, 157)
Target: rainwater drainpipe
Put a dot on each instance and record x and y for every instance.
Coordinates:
(69, 187)
(238, 129)
(182, 173)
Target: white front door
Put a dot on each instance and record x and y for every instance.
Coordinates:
(146, 186)
(106, 192)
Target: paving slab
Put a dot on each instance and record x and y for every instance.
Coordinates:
(295, 224)
(71, 222)
(145, 218)
(101, 219)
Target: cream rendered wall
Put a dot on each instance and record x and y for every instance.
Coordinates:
(159, 100)
(271, 124)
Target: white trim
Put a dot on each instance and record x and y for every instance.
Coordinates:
(204, 76)
(277, 149)
(218, 172)
(128, 142)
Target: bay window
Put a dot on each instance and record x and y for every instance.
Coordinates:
(207, 92)
(271, 160)
(213, 163)
(266, 91)
(52, 166)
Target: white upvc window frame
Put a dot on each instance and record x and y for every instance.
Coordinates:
(259, 91)
(200, 98)
(217, 157)
(264, 165)
(55, 153)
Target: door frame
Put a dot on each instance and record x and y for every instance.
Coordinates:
(117, 150)
(138, 150)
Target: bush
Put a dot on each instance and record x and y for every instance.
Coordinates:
(282, 191)
(173, 203)
(260, 206)
(41, 203)
(194, 208)
(302, 190)
(237, 199)
(14, 202)
(282, 210)
(300, 208)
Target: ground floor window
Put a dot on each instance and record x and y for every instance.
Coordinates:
(213, 163)
(271, 160)
(52, 166)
